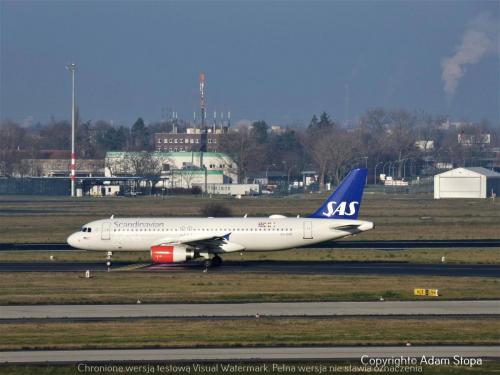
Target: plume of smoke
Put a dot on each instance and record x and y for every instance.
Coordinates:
(479, 40)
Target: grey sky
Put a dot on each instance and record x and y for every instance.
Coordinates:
(278, 61)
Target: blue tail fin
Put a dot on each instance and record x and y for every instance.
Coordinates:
(345, 201)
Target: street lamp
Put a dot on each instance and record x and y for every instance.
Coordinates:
(72, 68)
(375, 172)
(267, 173)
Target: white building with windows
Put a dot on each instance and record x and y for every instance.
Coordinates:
(163, 163)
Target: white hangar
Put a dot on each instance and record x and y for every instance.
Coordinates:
(474, 182)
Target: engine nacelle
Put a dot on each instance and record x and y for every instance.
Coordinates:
(171, 254)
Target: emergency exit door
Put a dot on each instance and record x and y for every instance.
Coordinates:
(105, 231)
(308, 233)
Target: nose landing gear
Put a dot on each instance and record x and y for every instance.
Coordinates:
(109, 256)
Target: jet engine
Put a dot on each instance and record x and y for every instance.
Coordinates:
(171, 254)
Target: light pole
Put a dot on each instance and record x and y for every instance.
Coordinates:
(366, 167)
(267, 173)
(71, 68)
(375, 172)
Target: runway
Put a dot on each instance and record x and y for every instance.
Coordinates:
(410, 244)
(247, 354)
(272, 309)
(269, 267)
(376, 244)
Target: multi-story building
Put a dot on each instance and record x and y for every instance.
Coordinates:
(193, 140)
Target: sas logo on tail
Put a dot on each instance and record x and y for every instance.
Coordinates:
(340, 209)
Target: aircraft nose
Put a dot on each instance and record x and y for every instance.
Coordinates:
(74, 239)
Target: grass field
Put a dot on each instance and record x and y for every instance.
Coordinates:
(457, 256)
(248, 332)
(52, 219)
(126, 287)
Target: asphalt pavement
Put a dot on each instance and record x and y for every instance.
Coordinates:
(247, 354)
(349, 244)
(271, 309)
(270, 267)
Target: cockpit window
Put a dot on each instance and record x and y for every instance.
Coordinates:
(89, 229)
(86, 229)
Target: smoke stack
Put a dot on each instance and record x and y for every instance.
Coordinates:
(479, 40)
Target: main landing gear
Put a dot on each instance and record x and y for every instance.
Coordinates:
(216, 261)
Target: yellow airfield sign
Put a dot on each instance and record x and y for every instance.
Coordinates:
(426, 292)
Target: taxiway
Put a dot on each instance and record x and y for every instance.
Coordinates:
(248, 354)
(271, 309)
(269, 267)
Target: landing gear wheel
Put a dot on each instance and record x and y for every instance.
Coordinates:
(216, 261)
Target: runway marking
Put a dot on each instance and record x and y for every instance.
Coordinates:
(131, 267)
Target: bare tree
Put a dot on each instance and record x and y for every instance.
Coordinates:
(143, 164)
(317, 144)
(244, 150)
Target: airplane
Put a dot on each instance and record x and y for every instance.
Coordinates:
(180, 239)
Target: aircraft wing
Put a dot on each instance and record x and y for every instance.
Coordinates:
(203, 242)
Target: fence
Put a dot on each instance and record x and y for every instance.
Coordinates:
(35, 186)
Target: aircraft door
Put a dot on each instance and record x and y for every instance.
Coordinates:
(105, 233)
(308, 230)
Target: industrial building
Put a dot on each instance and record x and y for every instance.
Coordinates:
(180, 165)
(474, 182)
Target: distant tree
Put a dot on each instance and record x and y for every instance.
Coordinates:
(400, 140)
(287, 141)
(187, 176)
(259, 131)
(324, 120)
(286, 151)
(244, 150)
(122, 139)
(313, 124)
(140, 136)
(86, 142)
(317, 144)
(143, 164)
(56, 136)
(344, 150)
(13, 141)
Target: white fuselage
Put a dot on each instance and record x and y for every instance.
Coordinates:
(249, 234)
